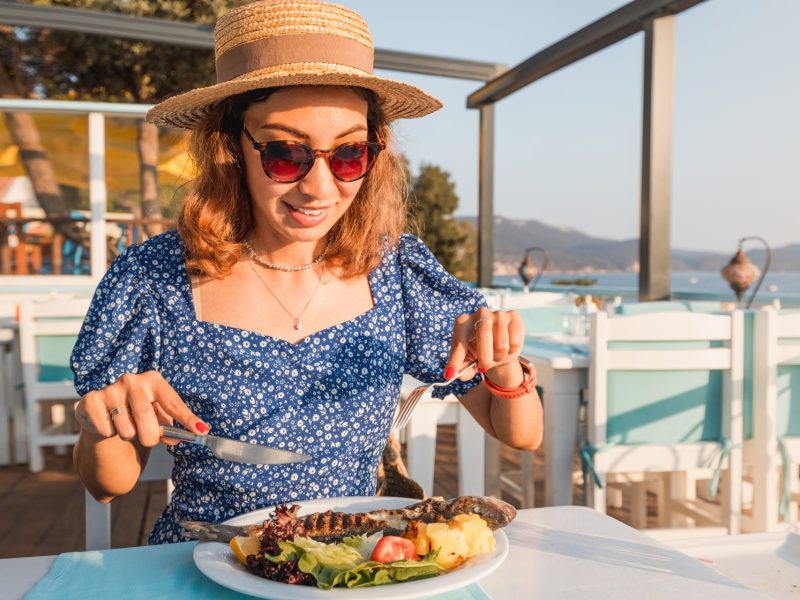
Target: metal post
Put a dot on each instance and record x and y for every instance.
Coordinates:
(97, 193)
(654, 241)
(486, 197)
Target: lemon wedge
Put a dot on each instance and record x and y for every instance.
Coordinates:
(244, 546)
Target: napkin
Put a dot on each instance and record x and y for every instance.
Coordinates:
(151, 572)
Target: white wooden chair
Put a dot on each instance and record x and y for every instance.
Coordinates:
(776, 424)
(98, 515)
(652, 407)
(516, 300)
(47, 333)
(420, 440)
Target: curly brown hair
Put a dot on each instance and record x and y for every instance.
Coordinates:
(216, 216)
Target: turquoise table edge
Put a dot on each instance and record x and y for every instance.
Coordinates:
(154, 572)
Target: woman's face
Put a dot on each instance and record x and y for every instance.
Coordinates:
(322, 117)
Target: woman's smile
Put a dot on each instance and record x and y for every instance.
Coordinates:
(307, 216)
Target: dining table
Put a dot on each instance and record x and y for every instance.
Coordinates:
(562, 364)
(554, 552)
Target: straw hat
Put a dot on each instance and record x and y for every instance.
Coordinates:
(275, 43)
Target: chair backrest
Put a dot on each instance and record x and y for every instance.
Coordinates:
(518, 300)
(98, 515)
(777, 371)
(638, 308)
(48, 331)
(666, 378)
(542, 312)
(494, 297)
(547, 319)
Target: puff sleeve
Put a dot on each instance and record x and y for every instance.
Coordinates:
(121, 332)
(432, 300)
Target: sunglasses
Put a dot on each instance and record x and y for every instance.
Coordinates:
(288, 162)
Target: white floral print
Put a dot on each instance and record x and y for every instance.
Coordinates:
(331, 396)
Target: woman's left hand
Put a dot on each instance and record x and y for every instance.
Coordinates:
(494, 339)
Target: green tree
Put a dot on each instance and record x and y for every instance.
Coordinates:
(432, 203)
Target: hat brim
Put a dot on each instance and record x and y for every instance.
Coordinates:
(399, 100)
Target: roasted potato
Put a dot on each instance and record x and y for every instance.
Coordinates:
(416, 532)
(458, 539)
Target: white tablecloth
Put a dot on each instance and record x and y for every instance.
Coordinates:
(557, 552)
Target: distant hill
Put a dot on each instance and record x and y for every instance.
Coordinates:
(573, 250)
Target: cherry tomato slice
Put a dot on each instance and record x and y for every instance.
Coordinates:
(391, 548)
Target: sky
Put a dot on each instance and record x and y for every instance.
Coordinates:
(568, 147)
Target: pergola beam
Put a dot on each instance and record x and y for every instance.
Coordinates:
(95, 22)
(604, 32)
(181, 33)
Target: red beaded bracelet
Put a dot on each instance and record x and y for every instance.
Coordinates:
(523, 389)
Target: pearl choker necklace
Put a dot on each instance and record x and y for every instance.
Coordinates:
(269, 265)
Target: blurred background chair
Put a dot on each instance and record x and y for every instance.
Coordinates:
(48, 331)
(666, 396)
(640, 308)
(775, 443)
(420, 439)
(75, 260)
(544, 313)
(98, 515)
(13, 257)
(129, 234)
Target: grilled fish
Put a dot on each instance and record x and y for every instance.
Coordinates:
(332, 526)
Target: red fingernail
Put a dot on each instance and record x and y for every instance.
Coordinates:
(480, 370)
(449, 372)
(202, 427)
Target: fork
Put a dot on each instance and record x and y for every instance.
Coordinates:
(401, 418)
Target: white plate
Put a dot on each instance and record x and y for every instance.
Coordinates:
(217, 561)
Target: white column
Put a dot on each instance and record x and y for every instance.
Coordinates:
(97, 192)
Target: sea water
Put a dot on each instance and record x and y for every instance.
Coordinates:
(777, 283)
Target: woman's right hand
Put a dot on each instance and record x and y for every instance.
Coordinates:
(152, 402)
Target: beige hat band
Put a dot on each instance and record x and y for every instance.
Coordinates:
(293, 48)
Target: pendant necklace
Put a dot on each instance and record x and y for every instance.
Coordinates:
(297, 324)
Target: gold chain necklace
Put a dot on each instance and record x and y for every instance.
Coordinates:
(297, 324)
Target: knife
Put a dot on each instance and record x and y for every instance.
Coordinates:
(241, 452)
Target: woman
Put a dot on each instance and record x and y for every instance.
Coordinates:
(288, 305)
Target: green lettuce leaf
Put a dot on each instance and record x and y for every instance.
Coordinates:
(343, 565)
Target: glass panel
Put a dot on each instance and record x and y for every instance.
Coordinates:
(143, 201)
(43, 223)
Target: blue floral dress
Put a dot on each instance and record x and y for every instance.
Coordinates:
(331, 395)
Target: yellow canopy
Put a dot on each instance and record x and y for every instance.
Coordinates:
(66, 141)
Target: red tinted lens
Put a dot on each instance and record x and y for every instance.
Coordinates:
(286, 162)
(352, 161)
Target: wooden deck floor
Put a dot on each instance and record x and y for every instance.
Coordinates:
(42, 513)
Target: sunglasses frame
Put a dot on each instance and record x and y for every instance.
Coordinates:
(377, 147)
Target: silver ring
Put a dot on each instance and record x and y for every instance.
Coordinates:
(475, 326)
(119, 410)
